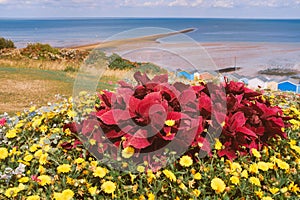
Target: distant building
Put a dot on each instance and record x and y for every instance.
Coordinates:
(205, 75)
(237, 78)
(291, 85)
(272, 85)
(186, 75)
(258, 82)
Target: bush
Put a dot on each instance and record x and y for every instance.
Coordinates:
(5, 43)
(117, 62)
(40, 51)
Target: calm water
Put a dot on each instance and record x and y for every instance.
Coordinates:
(65, 32)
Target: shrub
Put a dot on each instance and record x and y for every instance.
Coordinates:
(117, 62)
(5, 43)
(40, 51)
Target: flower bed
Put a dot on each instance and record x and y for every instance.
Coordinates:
(44, 155)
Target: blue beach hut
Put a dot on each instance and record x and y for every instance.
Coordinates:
(289, 85)
(186, 75)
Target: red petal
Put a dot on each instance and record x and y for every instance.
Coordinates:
(138, 140)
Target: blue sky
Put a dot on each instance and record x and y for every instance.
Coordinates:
(151, 8)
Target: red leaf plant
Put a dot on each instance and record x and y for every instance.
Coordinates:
(154, 115)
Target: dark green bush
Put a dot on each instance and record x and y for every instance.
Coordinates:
(117, 62)
(5, 43)
(40, 51)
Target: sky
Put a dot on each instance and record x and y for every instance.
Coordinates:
(150, 8)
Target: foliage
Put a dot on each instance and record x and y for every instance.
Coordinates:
(117, 62)
(41, 159)
(6, 43)
(40, 51)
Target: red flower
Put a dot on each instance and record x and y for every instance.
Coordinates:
(2, 121)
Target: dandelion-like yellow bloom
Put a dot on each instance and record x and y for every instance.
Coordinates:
(260, 194)
(263, 166)
(33, 197)
(65, 168)
(256, 153)
(235, 180)
(3, 153)
(11, 133)
(294, 187)
(151, 196)
(44, 180)
(23, 180)
(254, 181)
(65, 195)
(28, 158)
(197, 176)
(93, 190)
(253, 168)
(282, 165)
(108, 187)
(100, 172)
(12, 192)
(244, 174)
(235, 167)
(170, 175)
(267, 198)
(79, 160)
(140, 169)
(127, 152)
(218, 145)
(274, 190)
(218, 185)
(185, 161)
(34, 148)
(196, 192)
(170, 122)
(43, 159)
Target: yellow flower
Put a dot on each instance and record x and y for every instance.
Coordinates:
(235, 180)
(71, 114)
(3, 153)
(108, 187)
(23, 180)
(151, 196)
(127, 152)
(196, 192)
(28, 158)
(218, 145)
(65, 168)
(260, 194)
(197, 176)
(254, 181)
(33, 197)
(274, 190)
(11, 133)
(141, 169)
(256, 153)
(182, 186)
(44, 180)
(43, 128)
(170, 122)
(43, 159)
(253, 168)
(218, 185)
(79, 160)
(282, 165)
(150, 176)
(294, 187)
(284, 190)
(296, 148)
(93, 190)
(169, 175)
(235, 167)
(263, 166)
(186, 161)
(267, 198)
(100, 172)
(41, 169)
(34, 147)
(65, 195)
(244, 174)
(12, 192)
(38, 153)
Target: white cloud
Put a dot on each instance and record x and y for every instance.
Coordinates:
(178, 3)
(223, 4)
(3, 1)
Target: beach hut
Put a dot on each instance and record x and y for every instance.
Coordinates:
(291, 85)
(257, 82)
(272, 85)
(186, 75)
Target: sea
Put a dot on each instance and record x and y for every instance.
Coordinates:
(69, 32)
